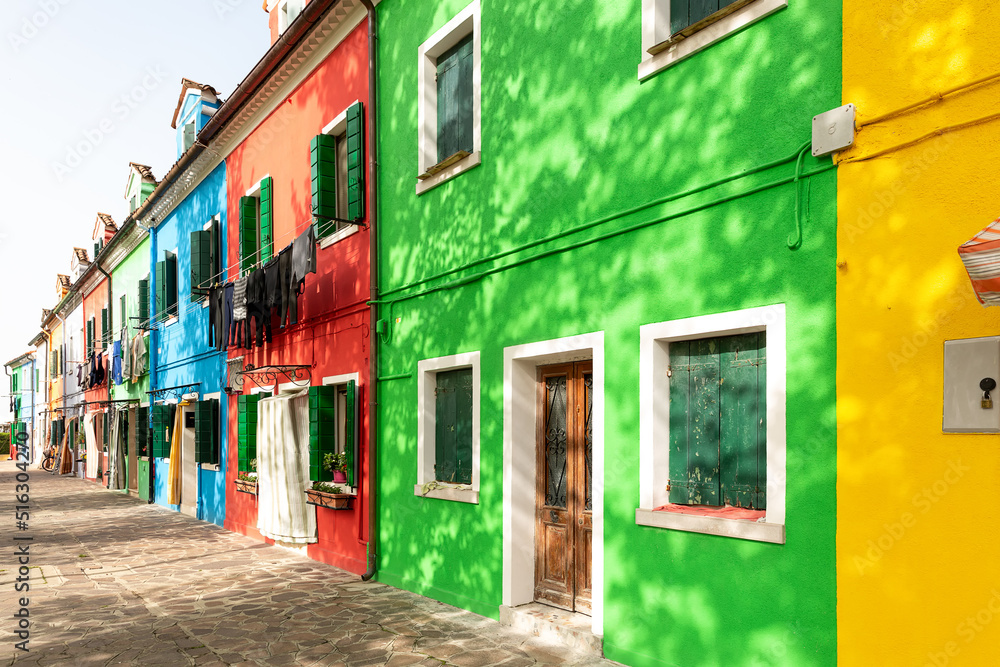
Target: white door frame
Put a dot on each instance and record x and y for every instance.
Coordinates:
(189, 468)
(519, 406)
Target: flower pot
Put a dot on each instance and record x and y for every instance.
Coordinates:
(246, 486)
(339, 477)
(334, 501)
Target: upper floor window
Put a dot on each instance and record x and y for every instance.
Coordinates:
(256, 226)
(449, 99)
(206, 259)
(337, 158)
(675, 29)
(189, 135)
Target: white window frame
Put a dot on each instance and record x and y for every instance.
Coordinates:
(333, 380)
(427, 371)
(654, 387)
(656, 30)
(464, 23)
(338, 126)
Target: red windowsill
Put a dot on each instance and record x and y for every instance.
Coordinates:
(720, 512)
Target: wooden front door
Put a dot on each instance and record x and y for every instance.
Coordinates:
(563, 501)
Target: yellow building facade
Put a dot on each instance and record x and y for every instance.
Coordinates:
(918, 527)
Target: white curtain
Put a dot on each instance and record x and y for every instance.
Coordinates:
(91, 438)
(283, 469)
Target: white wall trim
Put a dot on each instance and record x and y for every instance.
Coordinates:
(427, 371)
(654, 422)
(465, 22)
(339, 123)
(656, 29)
(343, 378)
(519, 399)
(463, 165)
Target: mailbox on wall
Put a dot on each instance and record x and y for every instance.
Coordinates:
(971, 368)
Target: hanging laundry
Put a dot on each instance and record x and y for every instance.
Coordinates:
(238, 328)
(116, 458)
(257, 310)
(126, 356)
(138, 356)
(174, 470)
(217, 316)
(302, 261)
(116, 364)
(91, 428)
(286, 310)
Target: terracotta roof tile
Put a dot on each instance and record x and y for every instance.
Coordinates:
(143, 170)
(64, 280)
(81, 255)
(109, 223)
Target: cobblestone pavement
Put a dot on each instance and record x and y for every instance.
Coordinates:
(115, 581)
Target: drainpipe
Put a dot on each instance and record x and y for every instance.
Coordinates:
(373, 274)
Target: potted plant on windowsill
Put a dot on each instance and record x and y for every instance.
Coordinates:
(246, 482)
(337, 464)
(328, 495)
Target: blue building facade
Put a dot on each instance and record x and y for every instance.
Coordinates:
(186, 371)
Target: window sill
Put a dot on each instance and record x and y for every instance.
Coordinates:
(707, 524)
(448, 173)
(340, 235)
(714, 32)
(460, 494)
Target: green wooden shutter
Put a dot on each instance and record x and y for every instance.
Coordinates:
(453, 426)
(684, 13)
(201, 264)
(322, 430)
(161, 295)
(105, 329)
(142, 431)
(90, 336)
(161, 430)
(124, 314)
(170, 280)
(246, 443)
(189, 135)
(144, 302)
(266, 220)
(694, 422)
(323, 175)
(744, 420)
(248, 233)
(355, 162)
(206, 431)
(350, 433)
(718, 426)
(454, 100)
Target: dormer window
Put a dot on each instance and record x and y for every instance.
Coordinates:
(288, 10)
(189, 135)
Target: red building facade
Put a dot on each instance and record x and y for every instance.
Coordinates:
(273, 190)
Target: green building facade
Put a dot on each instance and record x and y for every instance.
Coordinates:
(607, 335)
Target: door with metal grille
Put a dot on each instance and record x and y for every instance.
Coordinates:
(564, 507)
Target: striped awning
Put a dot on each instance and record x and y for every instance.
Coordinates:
(981, 256)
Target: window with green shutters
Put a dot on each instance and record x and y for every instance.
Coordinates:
(246, 433)
(90, 336)
(201, 264)
(143, 299)
(454, 100)
(337, 163)
(453, 426)
(333, 429)
(688, 16)
(718, 424)
(142, 431)
(162, 424)
(166, 287)
(257, 226)
(123, 312)
(206, 431)
(53, 363)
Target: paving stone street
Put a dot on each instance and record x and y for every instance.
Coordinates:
(115, 581)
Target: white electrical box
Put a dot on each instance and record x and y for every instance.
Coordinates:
(967, 364)
(833, 130)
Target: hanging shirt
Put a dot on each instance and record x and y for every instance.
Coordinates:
(138, 356)
(240, 299)
(116, 364)
(126, 357)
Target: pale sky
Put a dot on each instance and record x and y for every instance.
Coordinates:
(89, 87)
